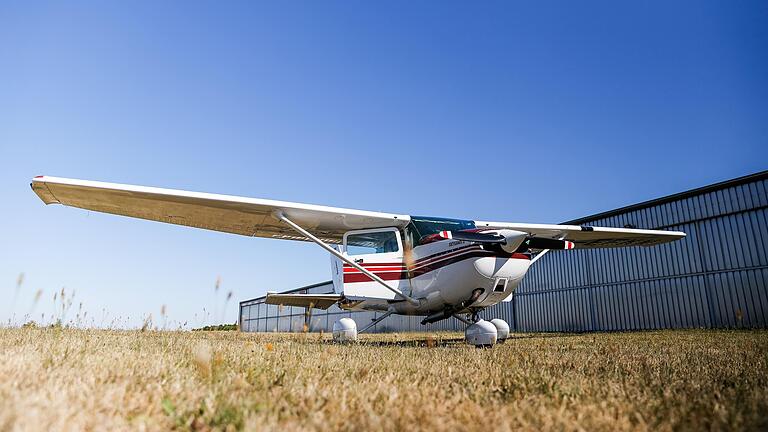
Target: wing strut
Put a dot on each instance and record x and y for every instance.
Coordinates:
(536, 258)
(539, 255)
(280, 216)
(375, 321)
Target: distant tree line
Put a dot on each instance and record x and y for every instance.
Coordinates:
(220, 327)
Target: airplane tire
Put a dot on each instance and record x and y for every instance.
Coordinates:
(345, 330)
(502, 329)
(481, 334)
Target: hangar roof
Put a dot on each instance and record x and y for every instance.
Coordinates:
(762, 175)
(315, 285)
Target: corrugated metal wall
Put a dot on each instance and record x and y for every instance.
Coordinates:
(716, 277)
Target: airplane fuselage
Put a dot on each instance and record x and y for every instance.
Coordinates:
(443, 274)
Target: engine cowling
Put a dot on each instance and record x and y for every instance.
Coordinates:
(512, 240)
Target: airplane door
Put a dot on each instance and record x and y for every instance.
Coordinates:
(379, 251)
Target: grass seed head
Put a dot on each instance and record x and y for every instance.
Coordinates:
(201, 358)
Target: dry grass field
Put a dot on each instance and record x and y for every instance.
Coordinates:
(67, 379)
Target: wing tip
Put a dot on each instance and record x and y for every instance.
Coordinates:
(40, 188)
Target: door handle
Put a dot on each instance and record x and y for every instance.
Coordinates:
(359, 260)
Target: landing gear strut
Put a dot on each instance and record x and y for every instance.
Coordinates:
(475, 316)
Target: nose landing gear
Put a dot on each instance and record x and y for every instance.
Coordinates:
(475, 316)
(483, 334)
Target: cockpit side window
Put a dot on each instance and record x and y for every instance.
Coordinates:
(372, 243)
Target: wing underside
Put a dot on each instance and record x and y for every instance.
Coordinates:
(590, 237)
(232, 214)
(254, 217)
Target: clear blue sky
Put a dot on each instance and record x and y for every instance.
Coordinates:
(502, 111)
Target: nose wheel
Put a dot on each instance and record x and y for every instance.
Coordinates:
(484, 334)
(480, 333)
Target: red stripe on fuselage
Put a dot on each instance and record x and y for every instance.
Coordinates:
(376, 270)
(453, 252)
(362, 277)
(431, 259)
(375, 267)
(395, 271)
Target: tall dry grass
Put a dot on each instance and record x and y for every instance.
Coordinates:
(63, 301)
(71, 379)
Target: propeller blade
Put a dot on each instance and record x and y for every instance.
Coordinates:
(474, 237)
(546, 243)
(511, 240)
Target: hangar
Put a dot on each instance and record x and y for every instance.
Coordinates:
(715, 278)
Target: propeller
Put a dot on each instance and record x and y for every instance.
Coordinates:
(474, 237)
(547, 243)
(509, 240)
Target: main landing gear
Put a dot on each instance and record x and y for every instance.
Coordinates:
(345, 329)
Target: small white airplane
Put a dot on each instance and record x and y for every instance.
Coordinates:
(433, 267)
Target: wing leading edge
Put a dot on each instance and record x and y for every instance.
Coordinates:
(591, 237)
(232, 214)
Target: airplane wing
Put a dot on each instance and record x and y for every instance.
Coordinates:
(226, 213)
(590, 237)
(318, 301)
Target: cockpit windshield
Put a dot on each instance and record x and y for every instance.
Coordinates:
(425, 226)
